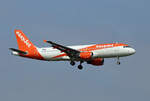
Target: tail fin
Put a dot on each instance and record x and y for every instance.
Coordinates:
(24, 43)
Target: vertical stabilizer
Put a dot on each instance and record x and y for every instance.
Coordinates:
(24, 44)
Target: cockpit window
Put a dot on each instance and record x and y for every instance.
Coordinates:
(126, 46)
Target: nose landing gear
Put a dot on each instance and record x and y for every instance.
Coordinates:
(118, 61)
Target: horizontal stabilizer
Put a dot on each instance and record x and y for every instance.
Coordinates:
(19, 51)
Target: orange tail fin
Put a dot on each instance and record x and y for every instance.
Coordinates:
(24, 43)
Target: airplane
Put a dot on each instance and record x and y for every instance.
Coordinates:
(93, 54)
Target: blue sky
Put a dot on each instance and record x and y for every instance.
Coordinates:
(72, 22)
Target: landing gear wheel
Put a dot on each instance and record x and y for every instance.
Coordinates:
(72, 63)
(80, 67)
(118, 63)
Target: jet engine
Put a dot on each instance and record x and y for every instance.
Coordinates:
(96, 62)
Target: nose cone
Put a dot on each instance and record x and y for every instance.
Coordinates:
(132, 51)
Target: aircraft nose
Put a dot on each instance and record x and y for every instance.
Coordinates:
(132, 51)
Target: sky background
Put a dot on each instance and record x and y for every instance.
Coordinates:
(73, 22)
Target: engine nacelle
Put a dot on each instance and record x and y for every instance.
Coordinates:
(86, 55)
(96, 62)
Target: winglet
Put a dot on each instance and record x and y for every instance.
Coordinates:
(45, 41)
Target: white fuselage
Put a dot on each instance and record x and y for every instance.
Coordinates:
(50, 54)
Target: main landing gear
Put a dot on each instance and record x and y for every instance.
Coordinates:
(72, 63)
(118, 61)
(80, 67)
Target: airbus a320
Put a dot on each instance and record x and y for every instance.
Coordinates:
(93, 54)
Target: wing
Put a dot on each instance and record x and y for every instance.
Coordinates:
(72, 53)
